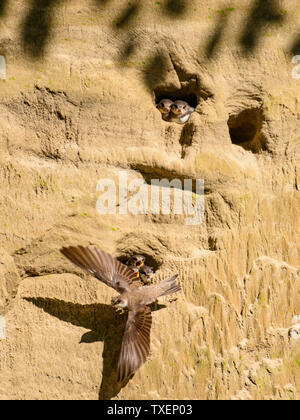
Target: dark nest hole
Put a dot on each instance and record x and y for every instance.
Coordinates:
(150, 260)
(191, 89)
(180, 94)
(245, 129)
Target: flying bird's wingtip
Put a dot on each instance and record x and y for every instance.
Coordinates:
(121, 379)
(69, 248)
(120, 376)
(68, 251)
(64, 250)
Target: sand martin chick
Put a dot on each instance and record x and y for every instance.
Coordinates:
(164, 106)
(146, 274)
(136, 261)
(181, 112)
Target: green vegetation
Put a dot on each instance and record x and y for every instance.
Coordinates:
(225, 11)
(42, 184)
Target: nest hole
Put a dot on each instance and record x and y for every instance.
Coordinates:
(190, 90)
(190, 98)
(149, 259)
(245, 129)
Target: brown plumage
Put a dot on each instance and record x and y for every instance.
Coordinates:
(133, 296)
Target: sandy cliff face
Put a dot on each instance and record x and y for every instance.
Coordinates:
(77, 106)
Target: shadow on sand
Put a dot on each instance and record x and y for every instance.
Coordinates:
(105, 324)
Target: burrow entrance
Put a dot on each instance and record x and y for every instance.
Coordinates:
(191, 98)
(190, 91)
(149, 259)
(245, 129)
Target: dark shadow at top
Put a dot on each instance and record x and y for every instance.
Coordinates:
(36, 28)
(126, 17)
(175, 8)
(263, 12)
(215, 39)
(128, 49)
(296, 46)
(3, 5)
(155, 70)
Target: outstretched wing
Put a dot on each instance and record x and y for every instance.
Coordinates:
(136, 342)
(103, 266)
(166, 287)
